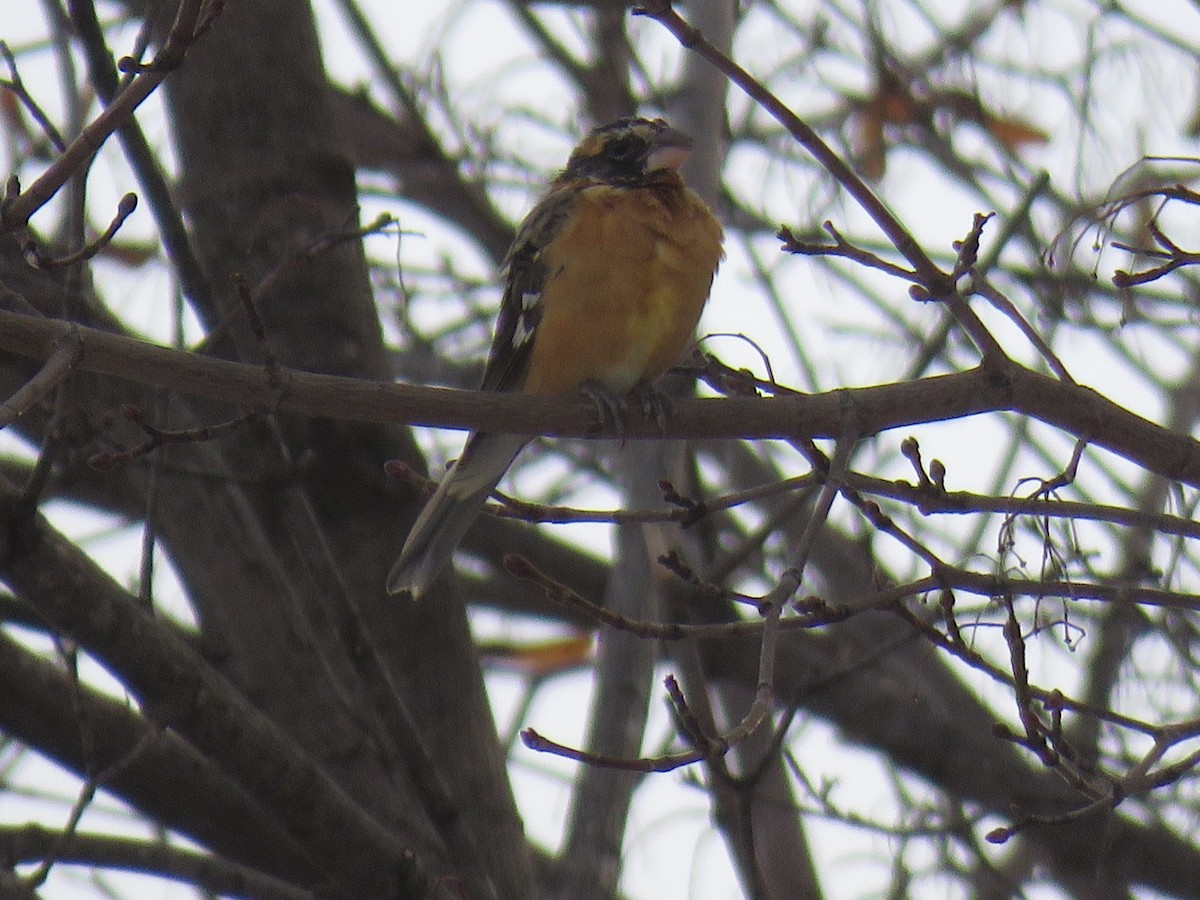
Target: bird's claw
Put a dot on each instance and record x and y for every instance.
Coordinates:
(610, 406)
(654, 402)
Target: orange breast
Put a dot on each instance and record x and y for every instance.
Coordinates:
(627, 280)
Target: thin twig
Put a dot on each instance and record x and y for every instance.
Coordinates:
(987, 290)
(161, 437)
(935, 284)
(17, 86)
(840, 247)
(15, 211)
(125, 208)
(145, 163)
(55, 369)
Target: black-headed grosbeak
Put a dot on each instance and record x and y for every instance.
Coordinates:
(603, 288)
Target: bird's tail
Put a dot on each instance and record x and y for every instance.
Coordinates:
(451, 510)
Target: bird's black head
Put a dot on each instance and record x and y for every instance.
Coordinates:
(628, 150)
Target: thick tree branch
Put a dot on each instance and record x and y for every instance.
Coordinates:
(31, 843)
(1080, 411)
(179, 690)
(168, 781)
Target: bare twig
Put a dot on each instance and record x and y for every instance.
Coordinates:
(125, 208)
(159, 437)
(15, 211)
(954, 643)
(935, 284)
(986, 289)
(843, 248)
(771, 607)
(17, 86)
(56, 368)
(147, 168)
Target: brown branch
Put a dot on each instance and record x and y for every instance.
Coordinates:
(935, 284)
(142, 158)
(55, 369)
(989, 292)
(15, 211)
(30, 842)
(1078, 410)
(158, 437)
(682, 510)
(840, 247)
(125, 208)
(708, 746)
(17, 86)
(782, 594)
(87, 793)
(954, 643)
(181, 691)
(665, 763)
(930, 499)
(988, 585)
(1141, 778)
(170, 782)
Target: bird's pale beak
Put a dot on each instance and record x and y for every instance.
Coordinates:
(671, 147)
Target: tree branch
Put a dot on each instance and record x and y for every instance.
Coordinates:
(30, 842)
(179, 690)
(1079, 410)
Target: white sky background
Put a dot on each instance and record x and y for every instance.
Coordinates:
(488, 67)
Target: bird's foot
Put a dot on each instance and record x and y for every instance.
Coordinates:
(610, 406)
(654, 403)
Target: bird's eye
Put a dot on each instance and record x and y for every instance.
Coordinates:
(625, 149)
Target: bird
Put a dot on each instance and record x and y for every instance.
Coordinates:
(603, 288)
